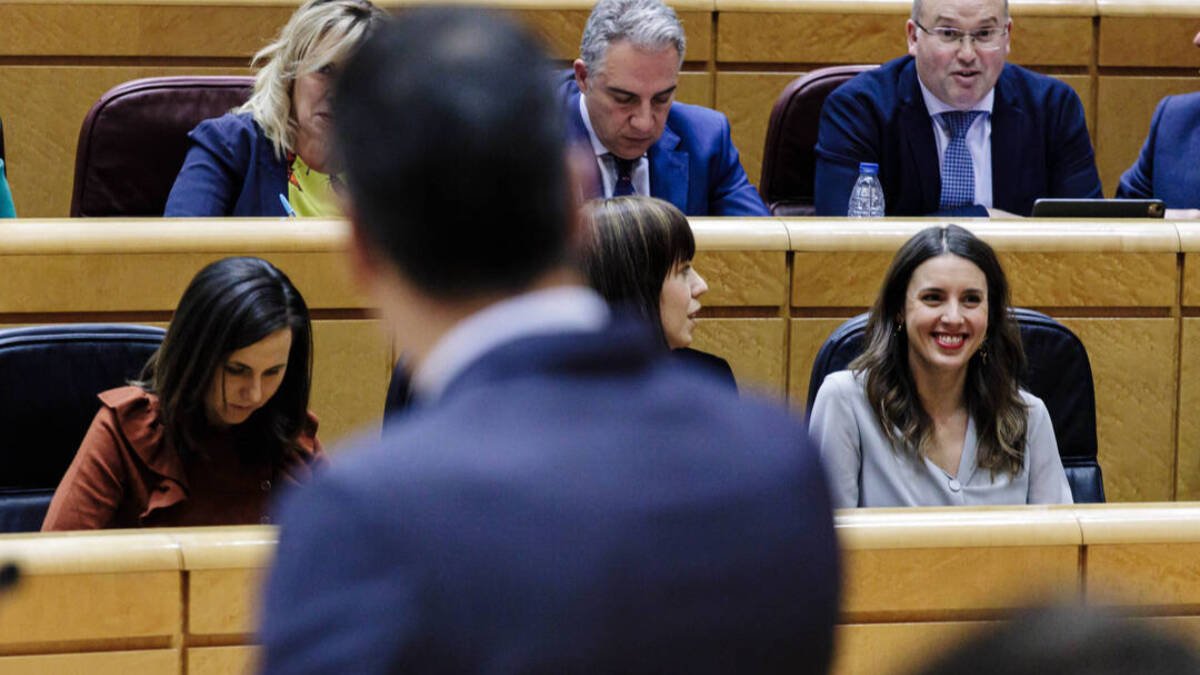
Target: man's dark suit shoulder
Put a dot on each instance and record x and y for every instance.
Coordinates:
(626, 516)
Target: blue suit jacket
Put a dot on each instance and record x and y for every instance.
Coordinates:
(1040, 143)
(1169, 166)
(572, 503)
(230, 170)
(693, 165)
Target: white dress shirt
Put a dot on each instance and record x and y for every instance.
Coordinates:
(979, 139)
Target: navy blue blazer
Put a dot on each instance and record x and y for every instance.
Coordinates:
(693, 164)
(230, 170)
(1040, 143)
(573, 503)
(1169, 166)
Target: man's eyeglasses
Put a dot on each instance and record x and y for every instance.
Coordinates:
(984, 38)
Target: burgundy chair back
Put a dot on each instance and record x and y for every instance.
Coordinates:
(788, 159)
(134, 139)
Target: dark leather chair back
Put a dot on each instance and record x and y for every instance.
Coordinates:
(789, 163)
(2, 147)
(51, 375)
(134, 139)
(1058, 372)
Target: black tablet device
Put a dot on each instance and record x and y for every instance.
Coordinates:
(1098, 208)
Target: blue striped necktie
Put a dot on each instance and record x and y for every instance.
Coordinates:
(958, 173)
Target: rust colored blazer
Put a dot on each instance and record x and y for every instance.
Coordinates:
(126, 474)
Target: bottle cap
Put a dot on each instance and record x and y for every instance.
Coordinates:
(870, 168)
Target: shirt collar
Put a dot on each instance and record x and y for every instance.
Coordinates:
(936, 106)
(550, 311)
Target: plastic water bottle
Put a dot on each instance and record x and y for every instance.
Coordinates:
(866, 199)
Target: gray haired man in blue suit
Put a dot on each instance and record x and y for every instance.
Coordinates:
(561, 498)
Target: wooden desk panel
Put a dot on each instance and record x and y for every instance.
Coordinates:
(934, 584)
(807, 336)
(1117, 575)
(1187, 460)
(352, 366)
(146, 662)
(743, 278)
(241, 660)
(1134, 370)
(895, 648)
(755, 349)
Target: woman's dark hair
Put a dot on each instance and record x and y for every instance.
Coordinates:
(230, 304)
(633, 242)
(991, 390)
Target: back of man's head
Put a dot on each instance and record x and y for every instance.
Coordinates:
(454, 152)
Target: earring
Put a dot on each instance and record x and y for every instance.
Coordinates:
(899, 328)
(983, 354)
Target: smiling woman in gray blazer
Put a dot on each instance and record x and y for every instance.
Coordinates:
(931, 414)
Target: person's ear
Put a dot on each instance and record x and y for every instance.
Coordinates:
(581, 75)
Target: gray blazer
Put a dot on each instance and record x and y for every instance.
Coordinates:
(865, 470)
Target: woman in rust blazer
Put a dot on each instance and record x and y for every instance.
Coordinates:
(219, 420)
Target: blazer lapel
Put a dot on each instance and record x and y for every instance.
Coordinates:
(1010, 125)
(579, 135)
(920, 147)
(669, 170)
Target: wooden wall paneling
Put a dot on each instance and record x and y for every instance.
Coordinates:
(695, 87)
(236, 660)
(130, 282)
(1082, 84)
(1091, 279)
(1051, 40)
(807, 336)
(171, 29)
(1187, 460)
(1134, 365)
(747, 99)
(151, 661)
(743, 278)
(837, 278)
(1152, 39)
(41, 126)
(755, 349)
(810, 37)
(1125, 106)
(352, 367)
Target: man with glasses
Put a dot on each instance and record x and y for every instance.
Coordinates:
(954, 129)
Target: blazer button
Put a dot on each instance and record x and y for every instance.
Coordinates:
(265, 485)
(955, 486)
(265, 520)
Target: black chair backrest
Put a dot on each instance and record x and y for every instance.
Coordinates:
(789, 163)
(49, 378)
(1058, 372)
(133, 141)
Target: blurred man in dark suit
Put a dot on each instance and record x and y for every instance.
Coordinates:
(561, 497)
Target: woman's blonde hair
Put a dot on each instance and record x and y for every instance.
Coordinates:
(319, 33)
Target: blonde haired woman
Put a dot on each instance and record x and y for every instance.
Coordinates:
(271, 156)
